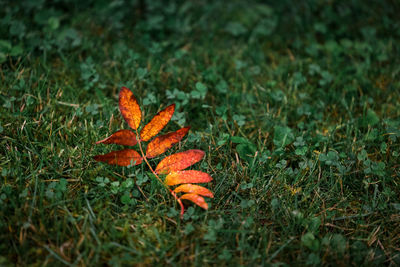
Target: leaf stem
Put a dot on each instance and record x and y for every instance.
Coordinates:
(158, 177)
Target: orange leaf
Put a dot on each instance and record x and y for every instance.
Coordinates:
(129, 108)
(121, 158)
(196, 199)
(157, 123)
(195, 189)
(189, 176)
(121, 137)
(162, 143)
(179, 161)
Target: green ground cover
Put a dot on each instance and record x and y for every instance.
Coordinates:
(296, 104)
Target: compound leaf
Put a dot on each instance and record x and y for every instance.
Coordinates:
(189, 176)
(196, 199)
(172, 165)
(129, 108)
(179, 161)
(164, 142)
(157, 123)
(121, 137)
(124, 157)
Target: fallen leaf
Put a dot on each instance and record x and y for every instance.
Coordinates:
(164, 142)
(121, 137)
(179, 161)
(173, 166)
(157, 123)
(129, 108)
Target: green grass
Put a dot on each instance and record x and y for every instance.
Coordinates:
(295, 104)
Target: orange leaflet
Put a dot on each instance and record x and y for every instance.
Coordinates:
(189, 176)
(196, 199)
(129, 108)
(195, 189)
(121, 137)
(157, 123)
(162, 143)
(124, 157)
(179, 161)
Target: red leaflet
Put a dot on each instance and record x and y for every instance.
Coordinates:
(124, 157)
(157, 123)
(129, 108)
(196, 199)
(195, 189)
(189, 176)
(164, 142)
(121, 137)
(179, 161)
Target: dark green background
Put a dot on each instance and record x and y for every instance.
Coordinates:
(296, 104)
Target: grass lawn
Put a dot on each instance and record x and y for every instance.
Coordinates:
(296, 104)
